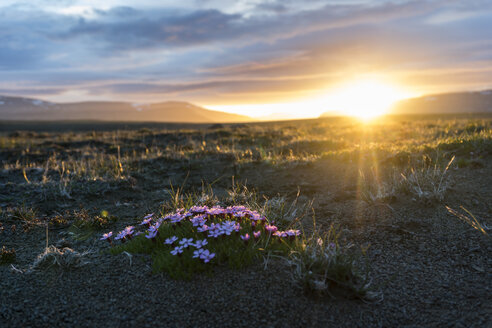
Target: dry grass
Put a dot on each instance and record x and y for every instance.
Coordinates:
(65, 258)
(428, 183)
(469, 218)
(322, 267)
(375, 190)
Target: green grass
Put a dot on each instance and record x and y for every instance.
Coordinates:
(397, 156)
(85, 225)
(68, 159)
(230, 251)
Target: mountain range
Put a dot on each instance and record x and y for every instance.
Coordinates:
(29, 109)
(446, 103)
(19, 108)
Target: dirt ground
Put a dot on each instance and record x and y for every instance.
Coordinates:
(432, 269)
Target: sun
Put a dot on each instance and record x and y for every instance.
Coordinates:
(365, 99)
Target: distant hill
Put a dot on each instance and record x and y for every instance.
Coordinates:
(447, 103)
(23, 109)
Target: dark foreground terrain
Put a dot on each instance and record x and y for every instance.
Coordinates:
(385, 184)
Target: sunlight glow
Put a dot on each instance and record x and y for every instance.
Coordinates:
(362, 98)
(365, 98)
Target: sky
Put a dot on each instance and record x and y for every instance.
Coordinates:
(255, 57)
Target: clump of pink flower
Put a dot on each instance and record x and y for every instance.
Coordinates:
(201, 222)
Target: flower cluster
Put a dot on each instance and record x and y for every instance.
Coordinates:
(147, 220)
(124, 235)
(288, 233)
(193, 231)
(218, 229)
(201, 253)
(153, 230)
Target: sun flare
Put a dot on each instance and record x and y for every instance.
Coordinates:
(365, 98)
(362, 98)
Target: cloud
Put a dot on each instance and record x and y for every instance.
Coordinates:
(269, 7)
(126, 28)
(167, 29)
(215, 48)
(31, 91)
(237, 86)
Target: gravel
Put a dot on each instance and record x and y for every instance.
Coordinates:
(437, 281)
(433, 270)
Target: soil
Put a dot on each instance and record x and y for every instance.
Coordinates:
(432, 269)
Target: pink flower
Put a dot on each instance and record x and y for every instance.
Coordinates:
(238, 208)
(239, 214)
(129, 231)
(245, 237)
(257, 217)
(107, 236)
(257, 234)
(203, 228)
(215, 211)
(280, 234)
(293, 233)
(121, 235)
(198, 209)
(146, 222)
(271, 228)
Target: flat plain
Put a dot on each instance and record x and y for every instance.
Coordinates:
(414, 192)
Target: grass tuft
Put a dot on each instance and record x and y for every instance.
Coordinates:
(375, 191)
(323, 267)
(468, 218)
(85, 225)
(65, 258)
(22, 213)
(428, 183)
(234, 245)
